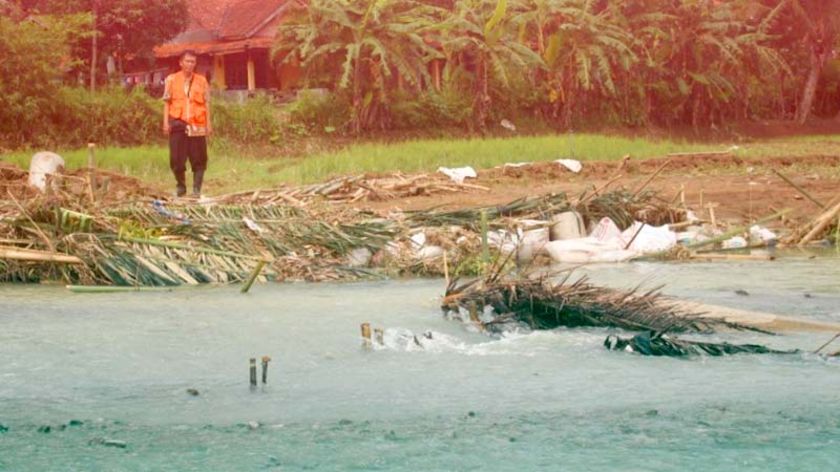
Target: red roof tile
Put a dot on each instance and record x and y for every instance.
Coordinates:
(207, 14)
(244, 17)
(226, 21)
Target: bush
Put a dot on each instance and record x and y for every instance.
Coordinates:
(255, 120)
(110, 116)
(445, 109)
(318, 110)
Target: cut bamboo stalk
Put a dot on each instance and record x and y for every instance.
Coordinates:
(265, 361)
(252, 367)
(822, 222)
(366, 335)
(799, 189)
(32, 255)
(254, 274)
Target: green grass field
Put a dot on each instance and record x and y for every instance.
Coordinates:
(232, 170)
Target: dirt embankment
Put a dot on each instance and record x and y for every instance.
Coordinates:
(737, 188)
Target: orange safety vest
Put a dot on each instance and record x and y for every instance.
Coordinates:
(192, 110)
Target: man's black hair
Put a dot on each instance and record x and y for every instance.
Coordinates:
(188, 52)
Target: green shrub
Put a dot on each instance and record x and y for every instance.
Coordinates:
(445, 109)
(318, 111)
(255, 120)
(110, 116)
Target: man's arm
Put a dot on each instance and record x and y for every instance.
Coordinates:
(207, 104)
(166, 97)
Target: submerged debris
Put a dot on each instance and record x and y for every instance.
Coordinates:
(657, 344)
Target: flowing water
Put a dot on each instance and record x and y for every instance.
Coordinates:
(81, 376)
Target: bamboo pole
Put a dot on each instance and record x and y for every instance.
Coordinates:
(799, 189)
(32, 255)
(733, 257)
(821, 223)
(114, 288)
(650, 179)
(251, 278)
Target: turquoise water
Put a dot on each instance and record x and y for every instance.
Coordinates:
(116, 367)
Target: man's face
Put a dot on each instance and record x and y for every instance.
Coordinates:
(188, 63)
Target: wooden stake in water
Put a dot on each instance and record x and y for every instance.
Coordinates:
(379, 335)
(265, 360)
(366, 335)
(253, 369)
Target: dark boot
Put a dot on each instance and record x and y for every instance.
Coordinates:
(181, 184)
(198, 179)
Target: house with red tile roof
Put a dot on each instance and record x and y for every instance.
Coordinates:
(233, 40)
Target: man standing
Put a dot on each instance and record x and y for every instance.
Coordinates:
(186, 119)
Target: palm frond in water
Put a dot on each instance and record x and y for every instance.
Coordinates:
(546, 303)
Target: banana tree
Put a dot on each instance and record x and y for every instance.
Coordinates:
(818, 24)
(370, 45)
(584, 46)
(477, 38)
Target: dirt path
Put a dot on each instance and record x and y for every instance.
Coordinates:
(740, 189)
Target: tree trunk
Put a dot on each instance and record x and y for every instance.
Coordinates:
(481, 98)
(817, 62)
(357, 95)
(93, 57)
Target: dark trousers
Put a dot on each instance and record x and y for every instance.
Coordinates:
(183, 149)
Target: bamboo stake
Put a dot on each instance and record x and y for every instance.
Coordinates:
(251, 278)
(712, 218)
(366, 335)
(799, 189)
(252, 364)
(91, 179)
(265, 360)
